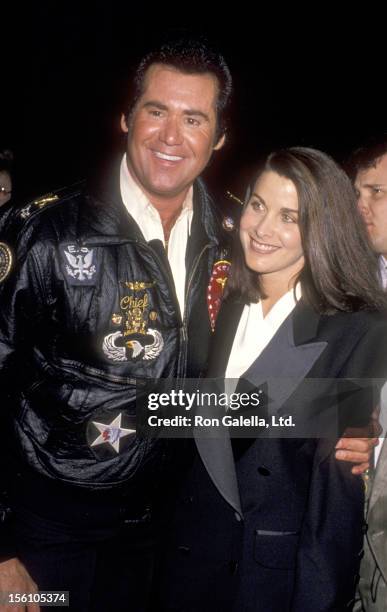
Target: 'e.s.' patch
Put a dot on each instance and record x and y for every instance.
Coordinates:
(80, 264)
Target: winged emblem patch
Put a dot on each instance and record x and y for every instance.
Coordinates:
(115, 347)
(136, 339)
(80, 264)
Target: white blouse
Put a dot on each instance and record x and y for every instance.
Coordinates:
(255, 332)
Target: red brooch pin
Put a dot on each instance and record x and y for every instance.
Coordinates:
(215, 289)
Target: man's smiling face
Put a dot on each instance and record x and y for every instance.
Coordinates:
(172, 131)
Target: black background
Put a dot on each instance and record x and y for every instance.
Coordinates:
(301, 76)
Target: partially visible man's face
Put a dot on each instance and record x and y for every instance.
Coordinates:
(5, 187)
(371, 185)
(171, 133)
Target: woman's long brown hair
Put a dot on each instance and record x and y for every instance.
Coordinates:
(341, 269)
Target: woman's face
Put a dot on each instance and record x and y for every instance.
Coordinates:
(5, 187)
(269, 230)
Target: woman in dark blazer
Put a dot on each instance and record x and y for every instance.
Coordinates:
(274, 524)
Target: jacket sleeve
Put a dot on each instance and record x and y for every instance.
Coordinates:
(331, 537)
(23, 298)
(22, 303)
(332, 532)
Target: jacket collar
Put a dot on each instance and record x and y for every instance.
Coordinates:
(380, 478)
(305, 321)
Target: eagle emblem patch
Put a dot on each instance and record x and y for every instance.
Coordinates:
(80, 264)
(135, 340)
(115, 346)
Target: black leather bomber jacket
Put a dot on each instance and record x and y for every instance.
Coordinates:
(88, 309)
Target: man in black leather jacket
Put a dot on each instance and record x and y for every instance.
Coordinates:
(107, 288)
(101, 287)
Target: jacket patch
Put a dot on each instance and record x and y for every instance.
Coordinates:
(228, 224)
(218, 280)
(135, 340)
(109, 434)
(28, 210)
(6, 261)
(116, 345)
(80, 264)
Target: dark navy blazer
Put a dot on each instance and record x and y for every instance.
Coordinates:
(275, 525)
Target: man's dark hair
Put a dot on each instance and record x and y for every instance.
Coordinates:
(366, 156)
(190, 56)
(341, 270)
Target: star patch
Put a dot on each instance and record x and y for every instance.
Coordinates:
(111, 433)
(6, 261)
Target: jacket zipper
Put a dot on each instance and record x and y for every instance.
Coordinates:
(182, 365)
(172, 289)
(189, 283)
(182, 318)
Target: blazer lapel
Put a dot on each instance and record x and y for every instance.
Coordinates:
(288, 358)
(283, 364)
(216, 453)
(379, 486)
(218, 459)
(377, 513)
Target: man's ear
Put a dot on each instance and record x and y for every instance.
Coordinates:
(220, 143)
(124, 124)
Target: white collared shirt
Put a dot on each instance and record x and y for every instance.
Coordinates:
(382, 421)
(255, 332)
(383, 397)
(148, 219)
(383, 271)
